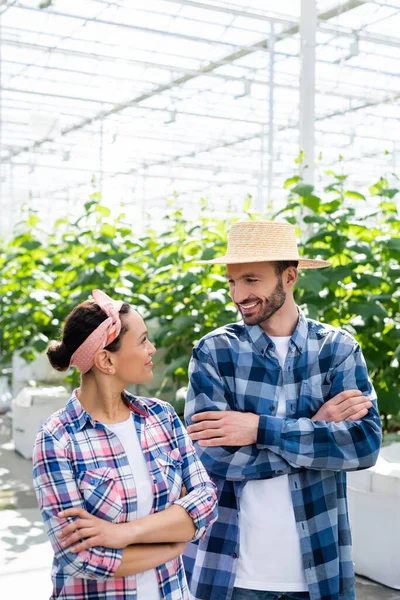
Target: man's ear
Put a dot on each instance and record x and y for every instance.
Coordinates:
(290, 276)
(103, 361)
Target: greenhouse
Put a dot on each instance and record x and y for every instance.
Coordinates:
(222, 177)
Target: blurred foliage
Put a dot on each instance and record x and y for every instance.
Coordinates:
(43, 276)
(362, 292)
(188, 300)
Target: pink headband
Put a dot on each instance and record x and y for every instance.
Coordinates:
(104, 334)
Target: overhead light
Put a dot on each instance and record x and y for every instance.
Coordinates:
(246, 89)
(354, 48)
(172, 117)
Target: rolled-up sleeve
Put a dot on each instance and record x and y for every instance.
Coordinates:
(56, 490)
(321, 445)
(201, 500)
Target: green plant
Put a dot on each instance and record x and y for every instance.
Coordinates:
(44, 276)
(362, 292)
(187, 300)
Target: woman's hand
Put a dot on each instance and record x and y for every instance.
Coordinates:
(88, 531)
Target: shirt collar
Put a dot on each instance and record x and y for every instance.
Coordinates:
(79, 416)
(262, 341)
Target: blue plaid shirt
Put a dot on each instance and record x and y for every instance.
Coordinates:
(236, 368)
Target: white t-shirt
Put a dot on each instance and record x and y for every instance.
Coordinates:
(146, 582)
(270, 556)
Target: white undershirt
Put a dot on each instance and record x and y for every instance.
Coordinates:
(146, 582)
(270, 556)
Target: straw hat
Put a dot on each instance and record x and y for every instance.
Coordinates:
(263, 241)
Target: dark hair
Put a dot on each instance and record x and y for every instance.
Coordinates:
(79, 324)
(281, 265)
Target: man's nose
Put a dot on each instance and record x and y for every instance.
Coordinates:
(239, 293)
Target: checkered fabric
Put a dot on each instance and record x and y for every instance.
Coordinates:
(78, 462)
(236, 368)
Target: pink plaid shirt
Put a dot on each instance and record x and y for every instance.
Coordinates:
(78, 462)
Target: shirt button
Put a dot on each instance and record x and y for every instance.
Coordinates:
(272, 408)
(234, 555)
(92, 481)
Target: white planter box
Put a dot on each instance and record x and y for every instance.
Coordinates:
(39, 370)
(374, 509)
(30, 409)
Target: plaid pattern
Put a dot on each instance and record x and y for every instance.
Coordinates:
(235, 368)
(78, 462)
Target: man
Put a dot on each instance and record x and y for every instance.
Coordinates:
(279, 407)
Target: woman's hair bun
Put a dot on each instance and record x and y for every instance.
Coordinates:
(59, 356)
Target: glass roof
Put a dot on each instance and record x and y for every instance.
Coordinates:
(139, 100)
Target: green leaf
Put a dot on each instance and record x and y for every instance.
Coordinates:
(394, 244)
(291, 181)
(314, 219)
(330, 207)
(61, 222)
(40, 342)
(354, 195)
(303, 189)
(312, 202)
(247, 204)
(32, 220)
(88, 205)
(108, 230)
(390, 192)
(31, 245)
(389, 207)
(103, 210)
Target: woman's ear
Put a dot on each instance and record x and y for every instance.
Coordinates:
(104, 362)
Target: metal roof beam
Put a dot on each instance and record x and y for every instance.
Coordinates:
(180, 36)
(235, 12)
(227, 144)
(212, 66)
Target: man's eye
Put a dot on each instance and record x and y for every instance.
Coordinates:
(251, 280)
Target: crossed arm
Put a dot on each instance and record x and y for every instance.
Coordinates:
(89, 547)
(344, 434)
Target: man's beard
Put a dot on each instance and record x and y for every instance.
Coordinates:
(269, 307)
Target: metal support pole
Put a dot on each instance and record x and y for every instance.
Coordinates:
(259, 203)
(271, 48)
(2, 170)
(101, 158)
(308, 26)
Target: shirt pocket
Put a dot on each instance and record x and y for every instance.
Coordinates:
(313, 395)
(170, 467)
(100, 492)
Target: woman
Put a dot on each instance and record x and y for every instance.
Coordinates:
(110, 467)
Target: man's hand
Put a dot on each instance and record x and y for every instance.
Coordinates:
(224, 428)
(349, 405)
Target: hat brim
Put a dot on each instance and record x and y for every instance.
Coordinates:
(304, 263)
